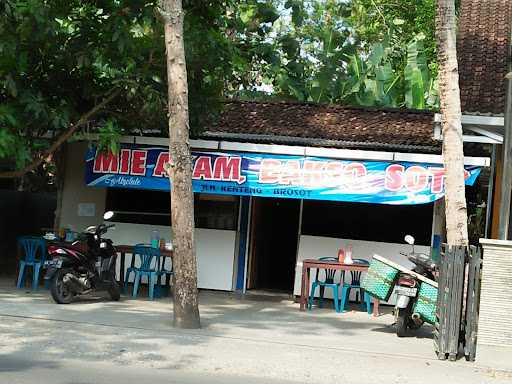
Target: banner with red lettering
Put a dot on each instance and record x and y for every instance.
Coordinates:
(267, 175)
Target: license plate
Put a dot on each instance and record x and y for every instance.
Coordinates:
(406, 291)
(53, 263)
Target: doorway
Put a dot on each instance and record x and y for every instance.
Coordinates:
(273, 244)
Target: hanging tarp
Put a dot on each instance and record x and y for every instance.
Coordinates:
(268, 175)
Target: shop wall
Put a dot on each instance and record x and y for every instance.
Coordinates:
(77, 198)
(313, 247)
(215, 250)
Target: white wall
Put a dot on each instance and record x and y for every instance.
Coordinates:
(75, 191)
(215, 258)
(215, 251)
(313, 247)
(215, 248)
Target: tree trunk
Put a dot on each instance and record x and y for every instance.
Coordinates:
(186, 311)
(453, 152)
(60, 174)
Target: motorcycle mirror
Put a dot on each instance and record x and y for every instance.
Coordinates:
(409, 239)
(108, 215)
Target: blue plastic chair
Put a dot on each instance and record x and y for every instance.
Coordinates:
(31, 246)
(330, 275)
(149, 266)
(356, 284)
(167, 273)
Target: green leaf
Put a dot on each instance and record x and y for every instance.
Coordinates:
(248, 13)
(10, 84)
(109, 136)
(416, 74)
(384, 72)
(377, 54)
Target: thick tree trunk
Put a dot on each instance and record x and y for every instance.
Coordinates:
(186, 310)
(453, 153)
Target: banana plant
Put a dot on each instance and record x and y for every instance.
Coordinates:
(377, 79)
(371, 80)
(420, 86)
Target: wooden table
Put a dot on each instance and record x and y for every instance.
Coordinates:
(307, 264)
(125, 249)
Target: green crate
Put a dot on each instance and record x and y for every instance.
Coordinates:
(380, 280)
(426, 303)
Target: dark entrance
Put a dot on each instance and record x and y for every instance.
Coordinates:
(273, 244)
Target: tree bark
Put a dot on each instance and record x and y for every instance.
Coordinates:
(453, 151)
(186, 310)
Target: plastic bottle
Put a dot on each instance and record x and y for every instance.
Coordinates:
(348, 255)
(155, 238)
(341, 256)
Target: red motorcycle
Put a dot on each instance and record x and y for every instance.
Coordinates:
(84, 266)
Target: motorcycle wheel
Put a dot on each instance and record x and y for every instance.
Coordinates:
(402, 323)
(60, 293)
(114, 291)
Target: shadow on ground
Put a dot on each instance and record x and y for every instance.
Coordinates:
(95, 329)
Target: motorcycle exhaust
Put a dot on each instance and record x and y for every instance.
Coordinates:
(75, 284)
(416, 318)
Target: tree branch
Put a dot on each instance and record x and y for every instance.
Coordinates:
(60, 140)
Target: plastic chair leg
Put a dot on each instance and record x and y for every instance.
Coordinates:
(125, 288)
(136, 282)
(362, 298)
(312, 295)
(345, 295)
(151, 283)
(321, 301)
(368, 300)
(336, 300)
(35, 277)
(21, 274)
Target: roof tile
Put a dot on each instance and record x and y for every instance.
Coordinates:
(483, 49)
(326, 122)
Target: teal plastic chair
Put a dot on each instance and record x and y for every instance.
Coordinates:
(149, 266)
(329, 282)
(166, 273)
(356, 284)
(34, 251)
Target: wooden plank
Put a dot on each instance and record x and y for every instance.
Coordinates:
(405, 270)
(471, 335)
(459, 294)
(478, 271)
(449, 298)
(439, 307)
(442, 302)
(454, 282)
(470, 302)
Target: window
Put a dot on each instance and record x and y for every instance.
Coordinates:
(154, 207)
(216, 211)
(371, 222)
(139, 206)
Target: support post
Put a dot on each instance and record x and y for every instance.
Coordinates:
(506, 180)
(490, 189)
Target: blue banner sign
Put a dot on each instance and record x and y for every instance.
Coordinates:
(267, 175)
